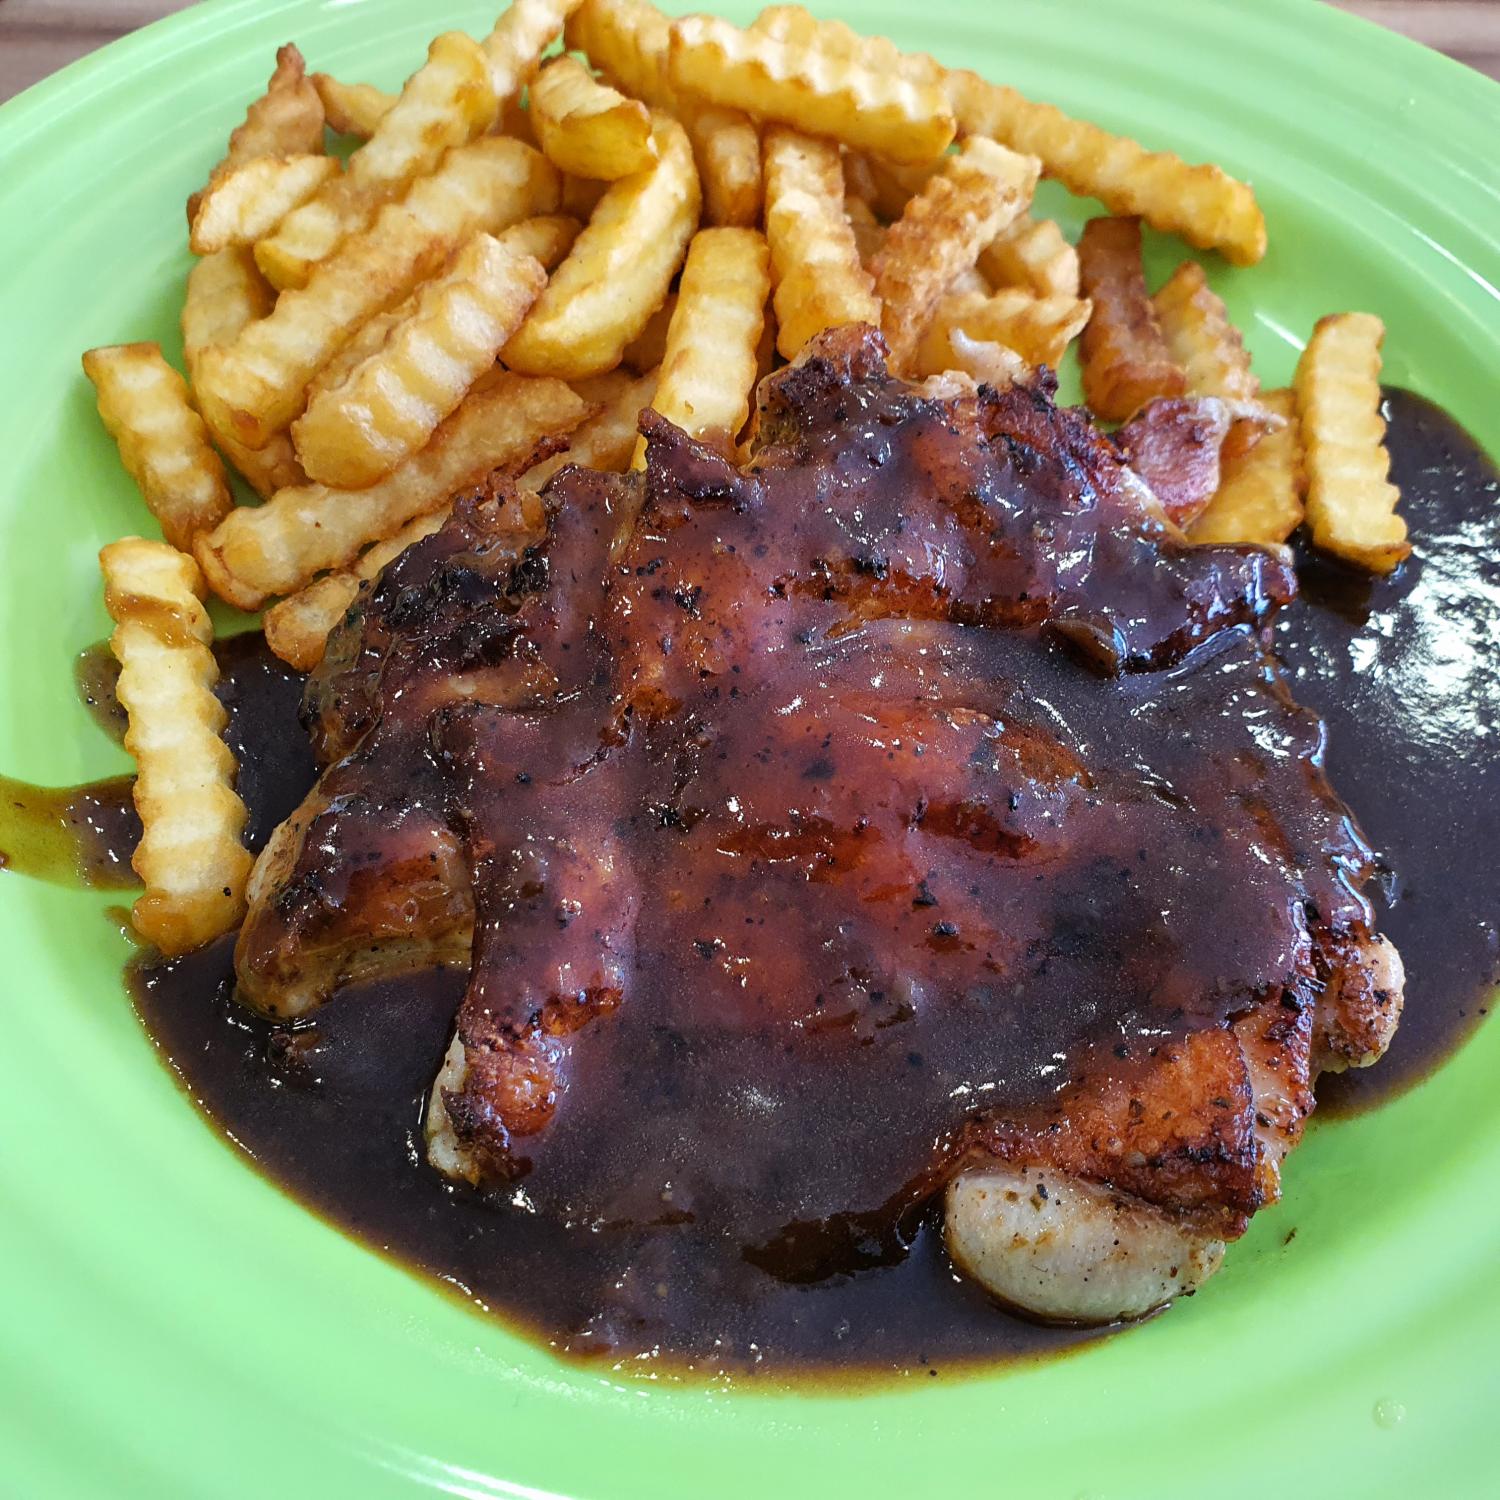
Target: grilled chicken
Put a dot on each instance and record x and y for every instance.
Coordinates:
(906, 813)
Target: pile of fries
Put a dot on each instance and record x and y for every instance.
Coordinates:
(522, 251)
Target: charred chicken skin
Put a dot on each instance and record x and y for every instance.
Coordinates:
(907, 813)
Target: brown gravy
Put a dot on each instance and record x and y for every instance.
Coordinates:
(1403, 671)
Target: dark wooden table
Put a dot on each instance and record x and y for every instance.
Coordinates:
(39, 36)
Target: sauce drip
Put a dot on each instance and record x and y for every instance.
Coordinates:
(81, 835)
(1404, 671)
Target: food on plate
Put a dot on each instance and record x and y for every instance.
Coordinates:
(619, 268)
(256, 386)
(1200, 338)
(352, 108)
(1038, 329)
(815, 264)
(1126, 361)
(287, 120)
(446, 102)
(941, 231)
(726, 653)
(277, 547)
(709, 367)
(388, 406)
(854, 747)
(144, 405)
(190, 857)
(809, 88)
(247, 200)
(1351, 503)
(1032, 254)
(588, 128)
(1260, 493)
(1203, 204)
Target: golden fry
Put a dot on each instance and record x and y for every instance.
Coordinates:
(629, 41)
(807, 87)
(1203, 204)
(947, 350)
(1261, 485)
(190, 858)
(352, 108)
(581, 195)
(287, 120)
(1201, 338)
(297, 627)
(1125, 358)
(588, 128)
(726, 145)
(961, 209)
(709, 368)
(447, 102)
(225, 291)
(163, 443)
(618, 271)
(792, 23)
(256, 386)
(815, 262)
(277, 548)
(1032, 254)
(514, 47)
(389, 405)
(1351, 503)
(1038, 329)
(547, 238)
(895, 185)
(607, 440)
(249, 199)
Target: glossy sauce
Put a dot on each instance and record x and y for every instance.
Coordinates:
(332, 1111)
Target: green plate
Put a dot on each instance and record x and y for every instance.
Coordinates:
(173, 1325)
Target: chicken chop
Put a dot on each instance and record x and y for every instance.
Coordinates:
(909, 813)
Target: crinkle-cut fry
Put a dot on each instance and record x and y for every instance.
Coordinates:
(943, 229)
(547, 238)
(629, 41)
(792, 23)
(619, 268)
(163, 442)
(514, 47)
(352, 108)
(1125, 358)
(819, 278)
(649, 347)
(447, 102)
(869, 232)
(726, 145)
(1039, 329)
(256, 386)
(1261, 484)
(225, 291)
(970, 282)
(709, 368)
(859, 178)
(190, 858)
(586, 127)
(1201, 338)
(387, 406)
(287, 120)
(1032, 254)
(296, 628)
(278, 547)
(807, 87)
(1351, 503)
(249, 199)
(1204, 204)
(607, 440)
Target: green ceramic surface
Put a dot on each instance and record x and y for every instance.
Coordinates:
(173, 1325)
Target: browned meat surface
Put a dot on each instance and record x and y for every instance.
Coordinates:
(907, 801)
